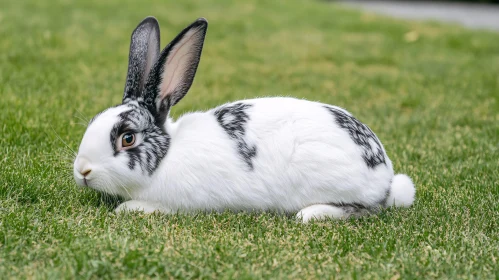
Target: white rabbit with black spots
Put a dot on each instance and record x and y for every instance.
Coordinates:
(278, 154)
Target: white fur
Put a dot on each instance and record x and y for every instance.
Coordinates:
(320, 212)
(303, 158)
(402, 192)
(141, 206)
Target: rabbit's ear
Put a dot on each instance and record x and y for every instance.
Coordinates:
(172, 75)
(144, 51)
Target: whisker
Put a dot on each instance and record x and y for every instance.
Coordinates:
(107, 197)
(62, 153)
(67, 158)
(81, 116)
(57, 135)
(120, 184)
(82, 124)
(126, 190)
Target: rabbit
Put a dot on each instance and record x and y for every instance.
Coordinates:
(276, 154)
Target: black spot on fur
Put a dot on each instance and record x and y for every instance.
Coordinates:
(361, 135)
(154, 144)
(233, 118)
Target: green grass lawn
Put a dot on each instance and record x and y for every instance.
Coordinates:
(430, 92)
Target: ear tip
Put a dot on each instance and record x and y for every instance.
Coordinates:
(150, 20)
(202, 21)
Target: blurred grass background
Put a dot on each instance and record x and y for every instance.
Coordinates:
(429, 91)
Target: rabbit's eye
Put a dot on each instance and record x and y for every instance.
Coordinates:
(127, 140)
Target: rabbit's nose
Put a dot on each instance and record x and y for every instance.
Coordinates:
(85, 172)
(83, 166)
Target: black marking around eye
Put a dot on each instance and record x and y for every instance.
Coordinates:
(361, 135)
(154, 144)
(233, 118)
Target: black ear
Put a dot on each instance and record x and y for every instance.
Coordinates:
(144, 51)
(172, 75)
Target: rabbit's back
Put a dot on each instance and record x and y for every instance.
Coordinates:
(273, 153)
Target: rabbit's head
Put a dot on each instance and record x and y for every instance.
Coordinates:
(124, 145)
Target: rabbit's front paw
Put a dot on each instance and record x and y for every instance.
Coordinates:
(140, 206)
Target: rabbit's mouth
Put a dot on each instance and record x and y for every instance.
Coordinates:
(81, 180)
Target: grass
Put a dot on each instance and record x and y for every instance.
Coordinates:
(429, 91)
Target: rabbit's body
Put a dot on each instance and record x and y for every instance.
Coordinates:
(280, 154)
(300, 157)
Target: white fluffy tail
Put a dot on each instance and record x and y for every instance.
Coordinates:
(402, 191)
